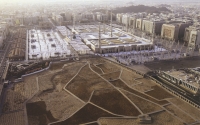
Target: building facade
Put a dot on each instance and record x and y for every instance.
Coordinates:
(170, 31)
(183, 79)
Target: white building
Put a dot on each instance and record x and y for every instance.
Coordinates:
(3, 31)
(1, 41)
(46, 44)
(119, 18)
(102, 17)
(68, 16)
(59, 20)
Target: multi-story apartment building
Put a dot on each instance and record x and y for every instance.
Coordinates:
(174, 31)
(102, 17)
(59, 20)
(119, 18)
(1, 42)
(152, 26)
(170, 31)
(3, 30)
(139, 24)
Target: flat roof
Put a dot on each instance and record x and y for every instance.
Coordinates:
(184, 76)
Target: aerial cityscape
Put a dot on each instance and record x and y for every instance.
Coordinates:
(99, 62)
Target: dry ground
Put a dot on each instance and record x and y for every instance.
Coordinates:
(186, 108)
(87, 114)
(161, 118)
(179, 113)
(115, 102)
(162, 93)
(14, 118)
(60, 96)
(144, 105)
(85, 83)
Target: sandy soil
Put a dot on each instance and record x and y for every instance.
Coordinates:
(15, 118)
(108, 67)
(45, 82)
(85, 83)
(67, 73)
(115, 102)
(177, 112)
(186, 107)
(61, 104)
(145, 85)
(140, 68)
(120, 84)
(162, 93)
(162, 118)
(96, 69)
(111, 76)
(144, 105)
(129, 77)
(88, 113)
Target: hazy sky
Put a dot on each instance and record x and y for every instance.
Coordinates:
(140, 1)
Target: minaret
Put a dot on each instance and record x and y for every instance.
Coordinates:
(111, 24)
(74, 19)
(127, 26)
(99, 38)
(104, 28)
(154, 28)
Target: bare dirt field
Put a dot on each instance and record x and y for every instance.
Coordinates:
(63, 77)
(14, 101)
(91, 124)
(39, 109)
(190, 62)
(95, 61)
(56, 66)
(144, 85)
(111, 76)
(61, 104)
(89, 113)
(14, 118)
(96, 69)
(108, 67)
(162, 93)
(45, 82)
(177, 112)
(120, 84)
(186, 107)
(58, 95)
(144, 105)
(161, 118)
(85, 83)
(115, 102)
(129, 77)
(140, 68)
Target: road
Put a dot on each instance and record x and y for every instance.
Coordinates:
(3, 63)
(4, 59)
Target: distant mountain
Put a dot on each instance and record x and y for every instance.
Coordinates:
(137, 9)
(140, 8)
